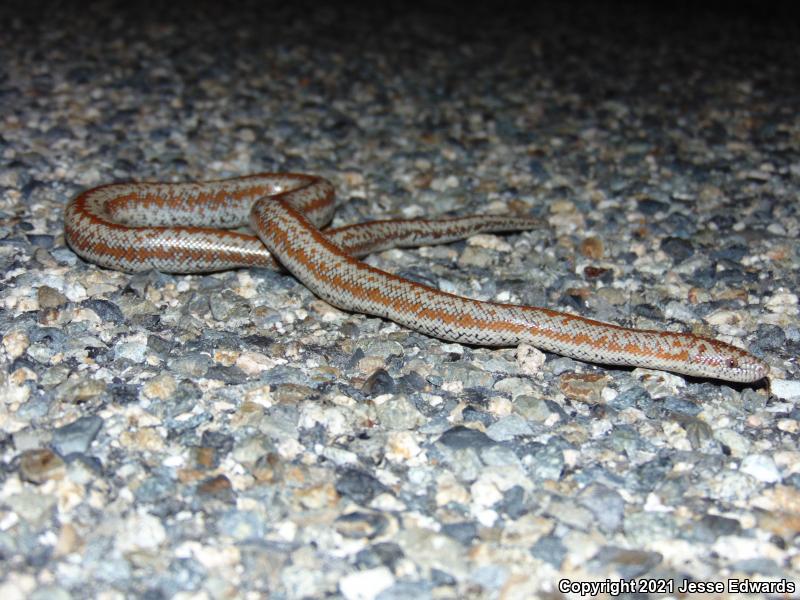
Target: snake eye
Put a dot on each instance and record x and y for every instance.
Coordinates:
(732, 363)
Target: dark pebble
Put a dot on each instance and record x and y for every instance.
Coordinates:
(733, 253)
(148, 322)
(181, 427)
(606, 505)
(598, 474)
(140, 282)
(440, 578)
(769, 337)
(709, 528)
(155, 488)
(413, 382)
(652, 207)
(76, 436)
(698, 432)
(464, 532)
(792, 480)
(632, 397)
(680, 225)
(221, 442)
(183, 400)
(681, 405)
(549, 549)
(41, 240)
(461, 437)
(723, 221)
(217, 487)
(92, 463)
(47, 335)
(677, 249)
(107, 311)
(357, 356)
(359, 486)
(380, 382)
(473, 414)
(733, 275)
(231, 375)
(159, 345)
(649, 311)
(513, 502)
(538, 170)
(647, 476)
(123, 393)
(384, 553)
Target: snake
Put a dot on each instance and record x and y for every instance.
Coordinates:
(197, 227)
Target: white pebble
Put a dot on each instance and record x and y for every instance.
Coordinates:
(365, 585)
(140, 532)
(786, 389)
(783, 302)
(762, 467)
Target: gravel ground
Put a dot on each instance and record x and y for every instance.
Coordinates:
(232, 436)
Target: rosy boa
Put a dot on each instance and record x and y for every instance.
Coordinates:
(132, 227)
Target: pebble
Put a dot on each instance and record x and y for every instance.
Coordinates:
(537, 409)
(677, 249)
(243, 526)
(785, 389)
(76, 436)
(367, 584)
(737, 444)
(584, 387)
(508, 428)
(529, 359)
(606, 505)
(359, 486)
(550, 549)
(398, 413)
(38, 466)
(48, 297)
(783, 302)
(15, 343)
(628, 564)
(34, 508)
(761, 467)
(379, 383)
(50, 592)
(358, 525)
(462, 438)
(140, 532)
(430, 550)
(79, 390)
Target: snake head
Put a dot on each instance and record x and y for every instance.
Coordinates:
(712, 358)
